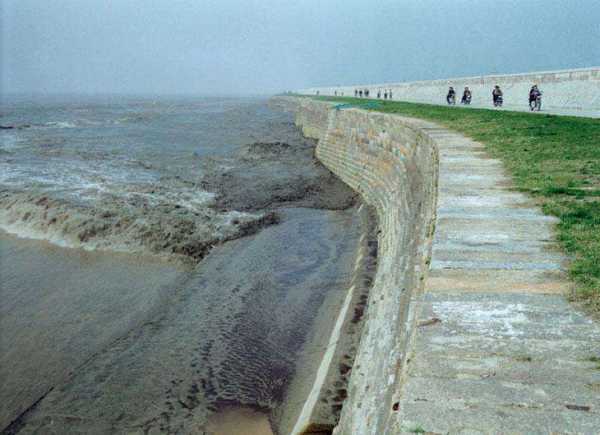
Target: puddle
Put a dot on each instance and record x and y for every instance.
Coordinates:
(239, 421)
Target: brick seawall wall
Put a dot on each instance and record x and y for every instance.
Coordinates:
(393, 165)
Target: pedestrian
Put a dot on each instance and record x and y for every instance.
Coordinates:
(451, 96)
(466, 98)
(497, 97)
(535, 98)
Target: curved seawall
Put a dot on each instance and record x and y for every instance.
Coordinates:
(575, 91)
(393, 165)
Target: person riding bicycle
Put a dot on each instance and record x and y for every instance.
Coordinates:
(466, 97)
(497, 95)
(451, 97)
(534, 94)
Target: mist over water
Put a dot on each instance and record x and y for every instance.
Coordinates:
(234, 47)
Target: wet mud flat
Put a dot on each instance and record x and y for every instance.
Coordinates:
(182, 348)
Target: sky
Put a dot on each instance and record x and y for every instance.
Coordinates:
(225, 47)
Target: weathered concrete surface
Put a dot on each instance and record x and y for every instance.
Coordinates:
(499, 350)
(572, 92)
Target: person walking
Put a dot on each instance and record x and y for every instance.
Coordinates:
(535, 98)
(497, 96)
(466, 97)
(451, 96)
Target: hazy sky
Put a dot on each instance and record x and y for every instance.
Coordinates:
(263, 46)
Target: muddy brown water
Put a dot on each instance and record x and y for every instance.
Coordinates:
(236, 248)
(110, 343)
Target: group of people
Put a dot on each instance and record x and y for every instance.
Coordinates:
(451, 96)
(360, 93)
(535, 97)
(467, 96)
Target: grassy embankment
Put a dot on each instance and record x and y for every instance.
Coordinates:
(556, 159)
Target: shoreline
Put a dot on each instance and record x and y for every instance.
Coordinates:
(334, 338)
(324, 249)
(393, 165)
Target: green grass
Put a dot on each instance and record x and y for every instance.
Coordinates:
(556, 159)
(595, 359)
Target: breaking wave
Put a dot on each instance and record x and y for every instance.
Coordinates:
(133, 223)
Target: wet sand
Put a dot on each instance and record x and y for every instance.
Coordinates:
(239, 422)
(58, 307)
(226, 336)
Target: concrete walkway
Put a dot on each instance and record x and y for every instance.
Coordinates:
(498, 349)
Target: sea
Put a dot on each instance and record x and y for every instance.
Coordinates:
(164, 263)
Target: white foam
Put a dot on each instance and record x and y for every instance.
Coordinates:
(25, 231)
(8, 141)
(56, 237)
(60, 124)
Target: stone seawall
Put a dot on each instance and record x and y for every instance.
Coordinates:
(393, 165)
(576, 90)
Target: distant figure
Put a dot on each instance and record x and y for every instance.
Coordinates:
(356, 92)
(451, 96)
(378, 94)
(360, 93)
(317, 92)
(390, 94)
(466, 98)
(497, 96)
(366, 93)
(535, 98)
(335, 93)
(385, 94)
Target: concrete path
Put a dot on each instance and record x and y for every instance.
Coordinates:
(498, 349)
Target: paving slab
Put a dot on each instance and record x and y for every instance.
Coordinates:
(499, 349)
